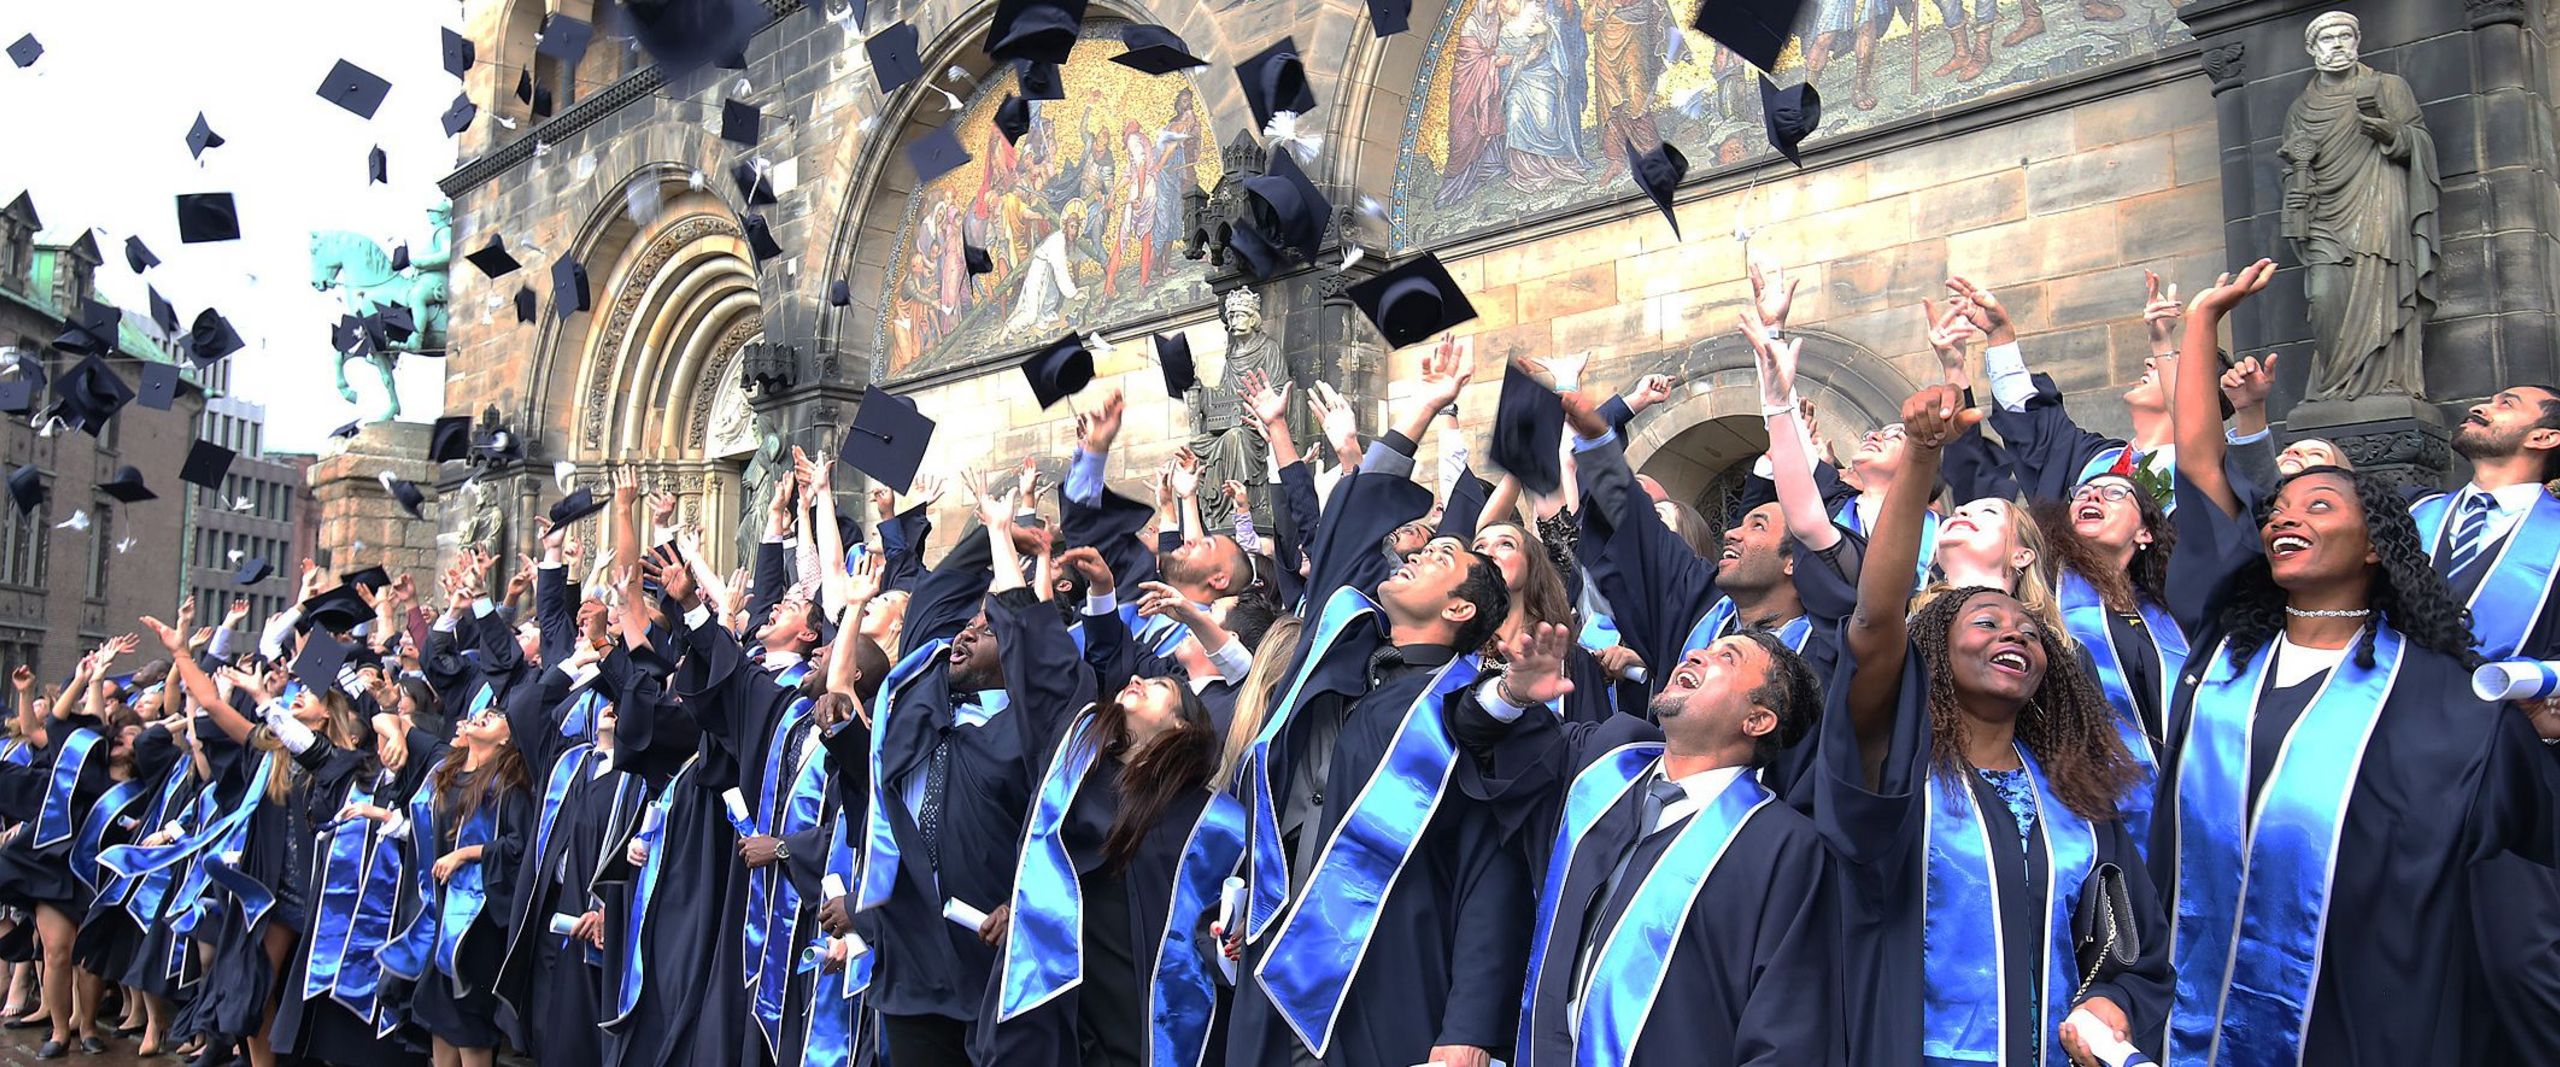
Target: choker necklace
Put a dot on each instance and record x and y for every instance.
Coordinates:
(2327, 613)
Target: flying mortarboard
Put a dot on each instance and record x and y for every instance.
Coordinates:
(525, 304)
(450, 439)
(1658, 173)
(204, 217)
(1756, 30)
(1060, 370)
(348, 431)
(201, 136)
(127, 486)
(741, 123)
(1287, 208)
(459, 53)
(1275, 81)
(396, 322)
(26, 485)
(565, 39)
(353, 335)
(1527, 428)
(752, 188)
(1789, 114)
(1413, 301)
(1155, 50)
(894, 62)
(158, 388)
(840, 293)
(887, 439)
(977, 259)
(684, 34)
(90, 393)
(1173, 353)
(457, 118)
(1039, 80)
(18, 394)
(162, 315)
(411, 499)
(579, 504)
(760, 238)
(1013, 117)
(492, 258)
(935, 154)
(354, 88)
(256, 570)
(25, 51)
(91, 330)
(372, 578)
(1044, 30)
(211, 337)
(400, 256)
(337, 609)
(1388, 18)
(138, 255)
(569, 294)
(206, 463)
(377, 166)
(524, 85)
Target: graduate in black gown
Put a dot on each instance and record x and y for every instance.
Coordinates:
(65, 777)
(1336, 969)
(1686, 915)
(1970, 780)
(2331, 785)
(467, 833)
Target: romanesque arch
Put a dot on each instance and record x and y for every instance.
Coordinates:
(1693, 441)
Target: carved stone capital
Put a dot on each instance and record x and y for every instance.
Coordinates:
(2485, 13)
(2227, 64)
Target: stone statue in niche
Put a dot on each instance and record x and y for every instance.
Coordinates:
(2360, 194)
(486, 531)
(1224, 433)
(757, 484)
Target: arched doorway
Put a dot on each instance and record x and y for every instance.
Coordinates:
(1704, 465)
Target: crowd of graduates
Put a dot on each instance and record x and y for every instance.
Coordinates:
(2027, 746)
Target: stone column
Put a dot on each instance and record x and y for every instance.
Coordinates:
(360, 523)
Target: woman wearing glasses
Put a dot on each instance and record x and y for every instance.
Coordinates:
(2111, 545)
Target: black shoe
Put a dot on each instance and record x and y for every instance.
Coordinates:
(23, 1022)
(92, 1046)
(52, 1050)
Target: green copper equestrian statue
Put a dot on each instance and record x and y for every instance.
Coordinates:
(361, 271)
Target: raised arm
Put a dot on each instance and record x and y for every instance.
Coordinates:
(1271, 408)
(626, 517)
(1877, 633)
(829, 535)
(22, 685)
(860, 586)
(2196, 410)
(1790, 454)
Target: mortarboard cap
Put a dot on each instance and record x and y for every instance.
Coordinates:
(1658, 173)
(406, 492)
(337, 609)
(525, 304)
(206, 217)
(372, 578)
(542, 103)
(568, 287)
(741, 123)
(211, 337)
(400, 256)
(158, 389)
(1287, 208)
(1155, 50)
(565, 39)
(1173, 353)
(457, 118)
(1039, 81)
(138, 255)
(354, 335)
(894, 62)
(1527, 428)
(579, 504)
(256, 570)
(1388, 18)
(348, 431)
(206, 463)
(321, 656)
(977, 259)
(26, 488)
(1060, 370)
(887, 439)
(752, 188)
(354, 88)
(90, 393)
(1756, 30)
(450, 439)
(91, 330)
(201, 136)
(760, 238)
(396, 322)
(459, 53)
(127, 486)
(684, 34)
(524, 85)
(1013, 117)
(1789, 114)
(162, 315)
(1275, 81)
(1413, 301)
(25, 51)
(1044, 30)
(17, 394)
(840, 293)
(492, 258)
(377, 166)
(935, 154)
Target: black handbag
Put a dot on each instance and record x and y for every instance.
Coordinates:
(2103, 938)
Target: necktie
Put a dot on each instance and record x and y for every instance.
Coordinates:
(937, 778)
(1384, 662)
(2470, 533)
(1658, 794)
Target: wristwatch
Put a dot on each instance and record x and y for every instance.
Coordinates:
(781, 849)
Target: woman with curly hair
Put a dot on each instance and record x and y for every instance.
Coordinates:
(467, 828)
(1964, 751)
(2330, 782)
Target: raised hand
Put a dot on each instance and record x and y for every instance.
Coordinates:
(883, 502)
(1444, 372)
(1341, 424)
(995, 507)
(1949, 331)
(238, 613)
(2248, 382)
(1985, 310)
(1089, 563)
(170, 638)
(2230, 290)
(1026, 483)
(310, 581)
(662, 508)
(626, 481)
(1102, 424)
(1650, 390)
(1777, 363)
(1157, 598)
(1773, 294)
(1184, 472)
(862, 582)
(2161, 311)
(521, 582)
(1536, 673)
(22, 679)
(1269, 405)
(1936, 415)
(1236, 494)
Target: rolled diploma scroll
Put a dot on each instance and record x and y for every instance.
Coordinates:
(2102, 1043)
(563, 924)
(830, 887)
(652, 819)
(1229, 894)
(737, 805)
(959, 911)
(2521, 679)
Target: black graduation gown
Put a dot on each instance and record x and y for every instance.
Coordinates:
(1451, 938)
(558, 998)
(156, 756)
(2045, 448)
(29, 875)
(2447, 781)
(1880, 836)
(467, 1017)
(321, 1028)
(1752, 977)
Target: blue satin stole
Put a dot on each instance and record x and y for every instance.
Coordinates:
(1306, 973)
(1965, 1003)
(117, 889)
(1720, 619)
(775, 943)
(880, 843)
(1182, 999)
(644, 887)
(55, 820)
(93, 830)
(18, 752)
(835, 1005)
(777, 775)
(359, 890)
(580, 722)
(447, 910)
(1634, 955)
(1848, 519)
(2086, 616)
(222, 832)
(1267, 857)
(2512, 592)
(2254, 875)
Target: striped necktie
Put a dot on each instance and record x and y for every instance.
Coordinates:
(2470, 534)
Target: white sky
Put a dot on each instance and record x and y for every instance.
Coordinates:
(97, 132)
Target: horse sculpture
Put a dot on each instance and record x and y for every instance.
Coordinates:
(361, 271)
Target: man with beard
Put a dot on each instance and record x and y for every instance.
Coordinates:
(2497, 541)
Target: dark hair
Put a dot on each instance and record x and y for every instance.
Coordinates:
(872, 662)
(2548, 420)
(1790, 692)
(1692, 528)
(455, 804)
(2147, 578)
(429, 715)
(2068, 724)
(1178, 761)
(2409, 595)
(1483, 588)
(1249, 618)
(1541, 596)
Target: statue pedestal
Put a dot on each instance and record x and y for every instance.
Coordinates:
(360, 523)
(2400, 439)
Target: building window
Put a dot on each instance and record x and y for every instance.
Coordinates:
(22, 547)
(102, 519)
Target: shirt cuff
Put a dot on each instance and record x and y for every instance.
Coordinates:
(398, 828)
(550, 565)
(483, 607)
(1586, 444)
(1490, 695)
(1101, 603)
(2011, 384)
(583, 674)
(700, 614)
(1233, 661)
(2238, 438)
